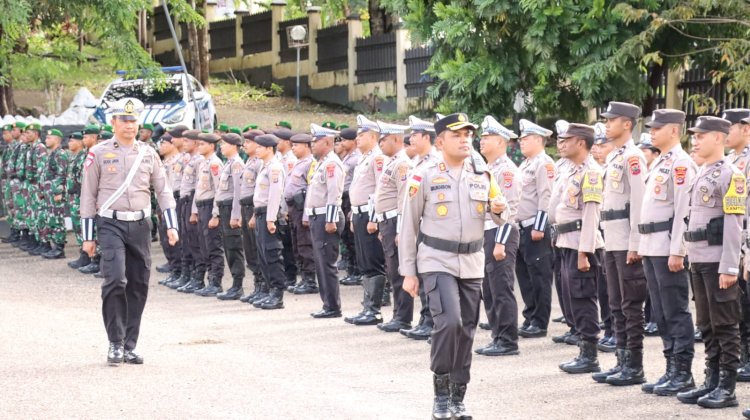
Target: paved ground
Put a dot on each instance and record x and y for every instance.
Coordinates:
(211, 359)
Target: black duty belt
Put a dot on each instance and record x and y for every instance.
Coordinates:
(696, 236)
(615, 214)
(569, 227)
(176, 194)
(224, 203)
(259, 211)
(451, 246)
(653, 227)
(204, 203)
(247, 201)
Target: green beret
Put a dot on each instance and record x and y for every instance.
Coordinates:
(235, 130)
(342, 126)
(107, 127)
(91, 129)
(206, 131)
(329, 124)
(34, 127)
(106, 135)
(19, 124)
(77, 135)
(223, 127)
(283, 124)
(148, 126)
(8, 127)
(55, 132)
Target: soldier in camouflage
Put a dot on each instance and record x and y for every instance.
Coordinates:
(8, 153)
(17, 175)
(52, 183)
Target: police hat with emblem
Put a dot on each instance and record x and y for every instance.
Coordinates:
(76, 135)
(600, 133)
(267, 140)
(191, 134)
(348, 134)
(454, 122)
(622, 109)
(209, 138)
(252, 134)
(736, 115)
(283, 133)
(178, 130)
(583, 131)
(387, 129)
(319, 132)
(365, 124)
(662, 117)
(302, 138)
(420, 125)
(561, 126)
(127, 109)
(710, 123)
(490, 126)
(528, 128)
(54, 132)
(232, 138)
(284, 124)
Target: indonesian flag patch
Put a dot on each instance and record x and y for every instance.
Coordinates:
(89, 159)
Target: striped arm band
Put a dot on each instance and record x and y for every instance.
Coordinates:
(398, 224)
(540, 223)
(87, 228)
(332, 213)
(502, 234)
(170, 218)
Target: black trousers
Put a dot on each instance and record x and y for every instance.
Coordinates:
(269, 251)
(192, 260)
(669, 305)
(126, 266)
(326, 254)
(232, 239)
(211, 246)
(605, 312)
(556, 265)
(627, 289)
(454, 304)
(301, 240)
(499, 277)
(579, 291)
(348, 253)
(718, 313)
(289, 260)
(403, 303)
(369, 250)
(249, 240)
(172, 253)
(534, 273)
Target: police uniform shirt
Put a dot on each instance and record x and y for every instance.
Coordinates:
(105, 169)
(229, 182)
(269, 188)
(741, 161)
(209, 173)
(366, 175)
(297, 180)
(666, 197)
(173, 170)
(537, 175)
(190, 174)
(249, 176)
(449, 205)
(350, 162)
(327, 187)
(719, 190)
(624, 184)
(390, 192)
(419, 161)
(288, 160)
(506, 175)
(579, 198)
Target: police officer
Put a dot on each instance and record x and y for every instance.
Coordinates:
(267, 200)
(286, 157)
(228, 213)
(295, 191)
(115, 206)
(499, 277)
(713, 239)
(169, 149)
(53, 186)
(624, 184)
(370, 258)
(664, 208)
(451, 261)
(534, 262)
(388, 202)
(350, 156)
(323, 209)
(574, 209)
(246, 191)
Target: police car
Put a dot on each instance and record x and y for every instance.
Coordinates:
(168, 107)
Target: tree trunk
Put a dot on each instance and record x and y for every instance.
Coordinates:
(654, 77)
(381, 22)
(203, 54)
(7, 103)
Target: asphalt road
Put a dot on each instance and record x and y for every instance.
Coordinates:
(210, 359)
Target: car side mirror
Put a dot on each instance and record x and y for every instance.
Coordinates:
(198, 96)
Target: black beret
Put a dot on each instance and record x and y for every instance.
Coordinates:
(267, 140)
(209, 138)
(348, 134)
(578, 130)
(178, 131)
(252, 134)
(166, 137)
(232, 138)
(283, 133)
(191, 134)
(301, 138)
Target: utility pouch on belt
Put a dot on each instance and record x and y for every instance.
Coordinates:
(715, 231)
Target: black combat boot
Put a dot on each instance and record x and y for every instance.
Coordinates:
(586, 362)
(178, 282)
(116, 354)
(723, 395)
(57, 252)
(40, 249)
(164, 268)
(92, 267)
(743, 373)
(31, 244)
(82, 261)
(351, 280)
(632, 370)
(213, 287)
(669, 371)
(307, 286)
(441, 406)
(264, 294)
(601, 377)
(682, 380)
(274, 301)
(23, 243)
(173, 275)
(196, 283)
(251, 296)
(458, 391)
(233, 293)
(709, 384)
(374, 287)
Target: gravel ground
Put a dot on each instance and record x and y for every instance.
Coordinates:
(210, 359)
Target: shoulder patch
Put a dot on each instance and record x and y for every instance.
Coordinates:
(403, 171)
(592, 187)
(215, 167)
(634, 163)
(550, 170)
(275, 175)
(507, 179)
(331, 170)
(379, 163)
(734, 200)
(89, 159)
(414, 182)
(680, 174)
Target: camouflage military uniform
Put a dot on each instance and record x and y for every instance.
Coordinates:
(19, 187)
(9, 178)
(52, 183)
(73, 191)
(36, 161)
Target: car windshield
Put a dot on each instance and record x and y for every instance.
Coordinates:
(145, 91)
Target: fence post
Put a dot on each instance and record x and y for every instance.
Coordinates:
(355, 31)
(277, 15)
(238, 35)
(313, 24)
(672, 95)
(402, 44)
(210, 11)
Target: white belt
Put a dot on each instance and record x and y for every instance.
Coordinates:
(528, 222)
(365, 208)
(382, 217)
(489, 225)
(126, 216)
(315, 211)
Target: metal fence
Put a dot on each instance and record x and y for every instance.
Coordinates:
(286, 53)
(417, 60)
(256, 33)
(697, 81)
(376, 58)
(223, 38)
(333, 48)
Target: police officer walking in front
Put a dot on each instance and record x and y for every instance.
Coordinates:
(115, 207)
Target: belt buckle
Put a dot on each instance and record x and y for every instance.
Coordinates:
(463, 248)
(579, 224)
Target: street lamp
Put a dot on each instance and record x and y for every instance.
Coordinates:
(297, 36)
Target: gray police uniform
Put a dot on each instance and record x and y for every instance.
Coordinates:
(294, 195)
(192, 260)
(227, 207)
(173, 171)
(348, 253)
(209, 240)
(248, 179)
(267, 201)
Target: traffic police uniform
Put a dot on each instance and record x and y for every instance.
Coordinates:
(348, 252)
(118, 211)
(246, 191)
(322, 206)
